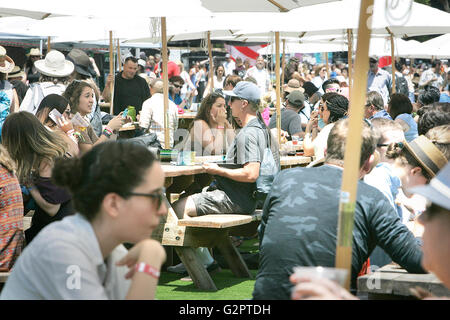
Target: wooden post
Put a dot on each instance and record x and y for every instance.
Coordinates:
(277, 87)
(49, 46)
(350, 59)
(392, 59)
(111, 70)
(352, 155)
(165, 82)
(211, 65)
(328, 67)
(119, 59)
(283, 62)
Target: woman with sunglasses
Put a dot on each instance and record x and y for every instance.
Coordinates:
(408, 164)
(82, 257)
(332, 107)
(80, 95)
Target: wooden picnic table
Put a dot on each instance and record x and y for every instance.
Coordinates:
(392, 282)
(184, 235)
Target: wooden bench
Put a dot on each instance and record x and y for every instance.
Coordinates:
(211, 231)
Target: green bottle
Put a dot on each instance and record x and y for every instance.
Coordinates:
(131, 112)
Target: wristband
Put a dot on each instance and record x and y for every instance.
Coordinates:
(148, 269)
(107, 129)
(220, 127)
(107, 132)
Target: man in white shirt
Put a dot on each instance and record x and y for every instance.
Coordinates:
(432, 76)
(260, 74)
(152, 115)
(229, 65)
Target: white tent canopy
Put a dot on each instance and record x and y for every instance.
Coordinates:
(438, 47)
(258, 5)
(407, 19)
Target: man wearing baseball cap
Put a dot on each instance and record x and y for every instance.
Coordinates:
(234, 189)
(290, 118)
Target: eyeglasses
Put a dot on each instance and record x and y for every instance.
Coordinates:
(158, 195)
(177, 86)
(233, 99)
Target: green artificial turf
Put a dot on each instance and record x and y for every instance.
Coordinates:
(229, 287)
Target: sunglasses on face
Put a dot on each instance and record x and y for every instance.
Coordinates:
(158, 196)
(177, 86)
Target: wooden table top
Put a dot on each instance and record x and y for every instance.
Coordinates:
(172, 170)
(393, 280)
(187, 115)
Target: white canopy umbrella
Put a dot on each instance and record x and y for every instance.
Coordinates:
(258, 5)
(438, 47)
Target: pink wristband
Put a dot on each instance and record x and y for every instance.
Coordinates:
(148, 269)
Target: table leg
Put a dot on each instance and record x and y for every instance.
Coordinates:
(233, 258)
(196, 269)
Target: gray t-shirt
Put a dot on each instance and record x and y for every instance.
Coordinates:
(290, 121)
(64, 261)
(248, 146)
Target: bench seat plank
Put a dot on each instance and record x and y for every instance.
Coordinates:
(218, 221)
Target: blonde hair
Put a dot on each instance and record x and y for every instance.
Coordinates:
(29, 142)
(440, 137)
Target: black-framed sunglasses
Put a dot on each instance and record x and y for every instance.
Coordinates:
(158, 195)
(177, 86)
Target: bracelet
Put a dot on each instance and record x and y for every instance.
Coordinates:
(107, 129)
(107, 132)
(148, 269)
(220, 127)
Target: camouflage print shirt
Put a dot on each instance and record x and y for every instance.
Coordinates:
(299, 225)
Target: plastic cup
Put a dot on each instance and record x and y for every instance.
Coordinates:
(334, 274)
(295, 140)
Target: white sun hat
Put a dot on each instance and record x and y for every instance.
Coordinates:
(6, 63)
(54, 65)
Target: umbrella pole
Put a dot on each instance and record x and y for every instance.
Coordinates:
(328, 68)
(49, 46)
(277, 77)
(349, 57)
(392, 59)
(283, 62)
(353, 144)
(211, 66)
(166, 82)
(119, 59)
(111, 70)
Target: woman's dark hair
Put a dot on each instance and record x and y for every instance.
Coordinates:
(21, 89)
(399, 104)
(337, 104)
(50, 102)
(429, 96)
(73, 93)
(433, 116)
(204, 112)
(109, 167)
(310, 89)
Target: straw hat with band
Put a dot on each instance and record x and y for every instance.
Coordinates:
(16, 73)
(438, 190)
(54, 65)
(6, 63)
(34, 52)
(293, 85)
(427, 154)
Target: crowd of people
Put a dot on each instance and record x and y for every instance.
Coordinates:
(90, 194)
